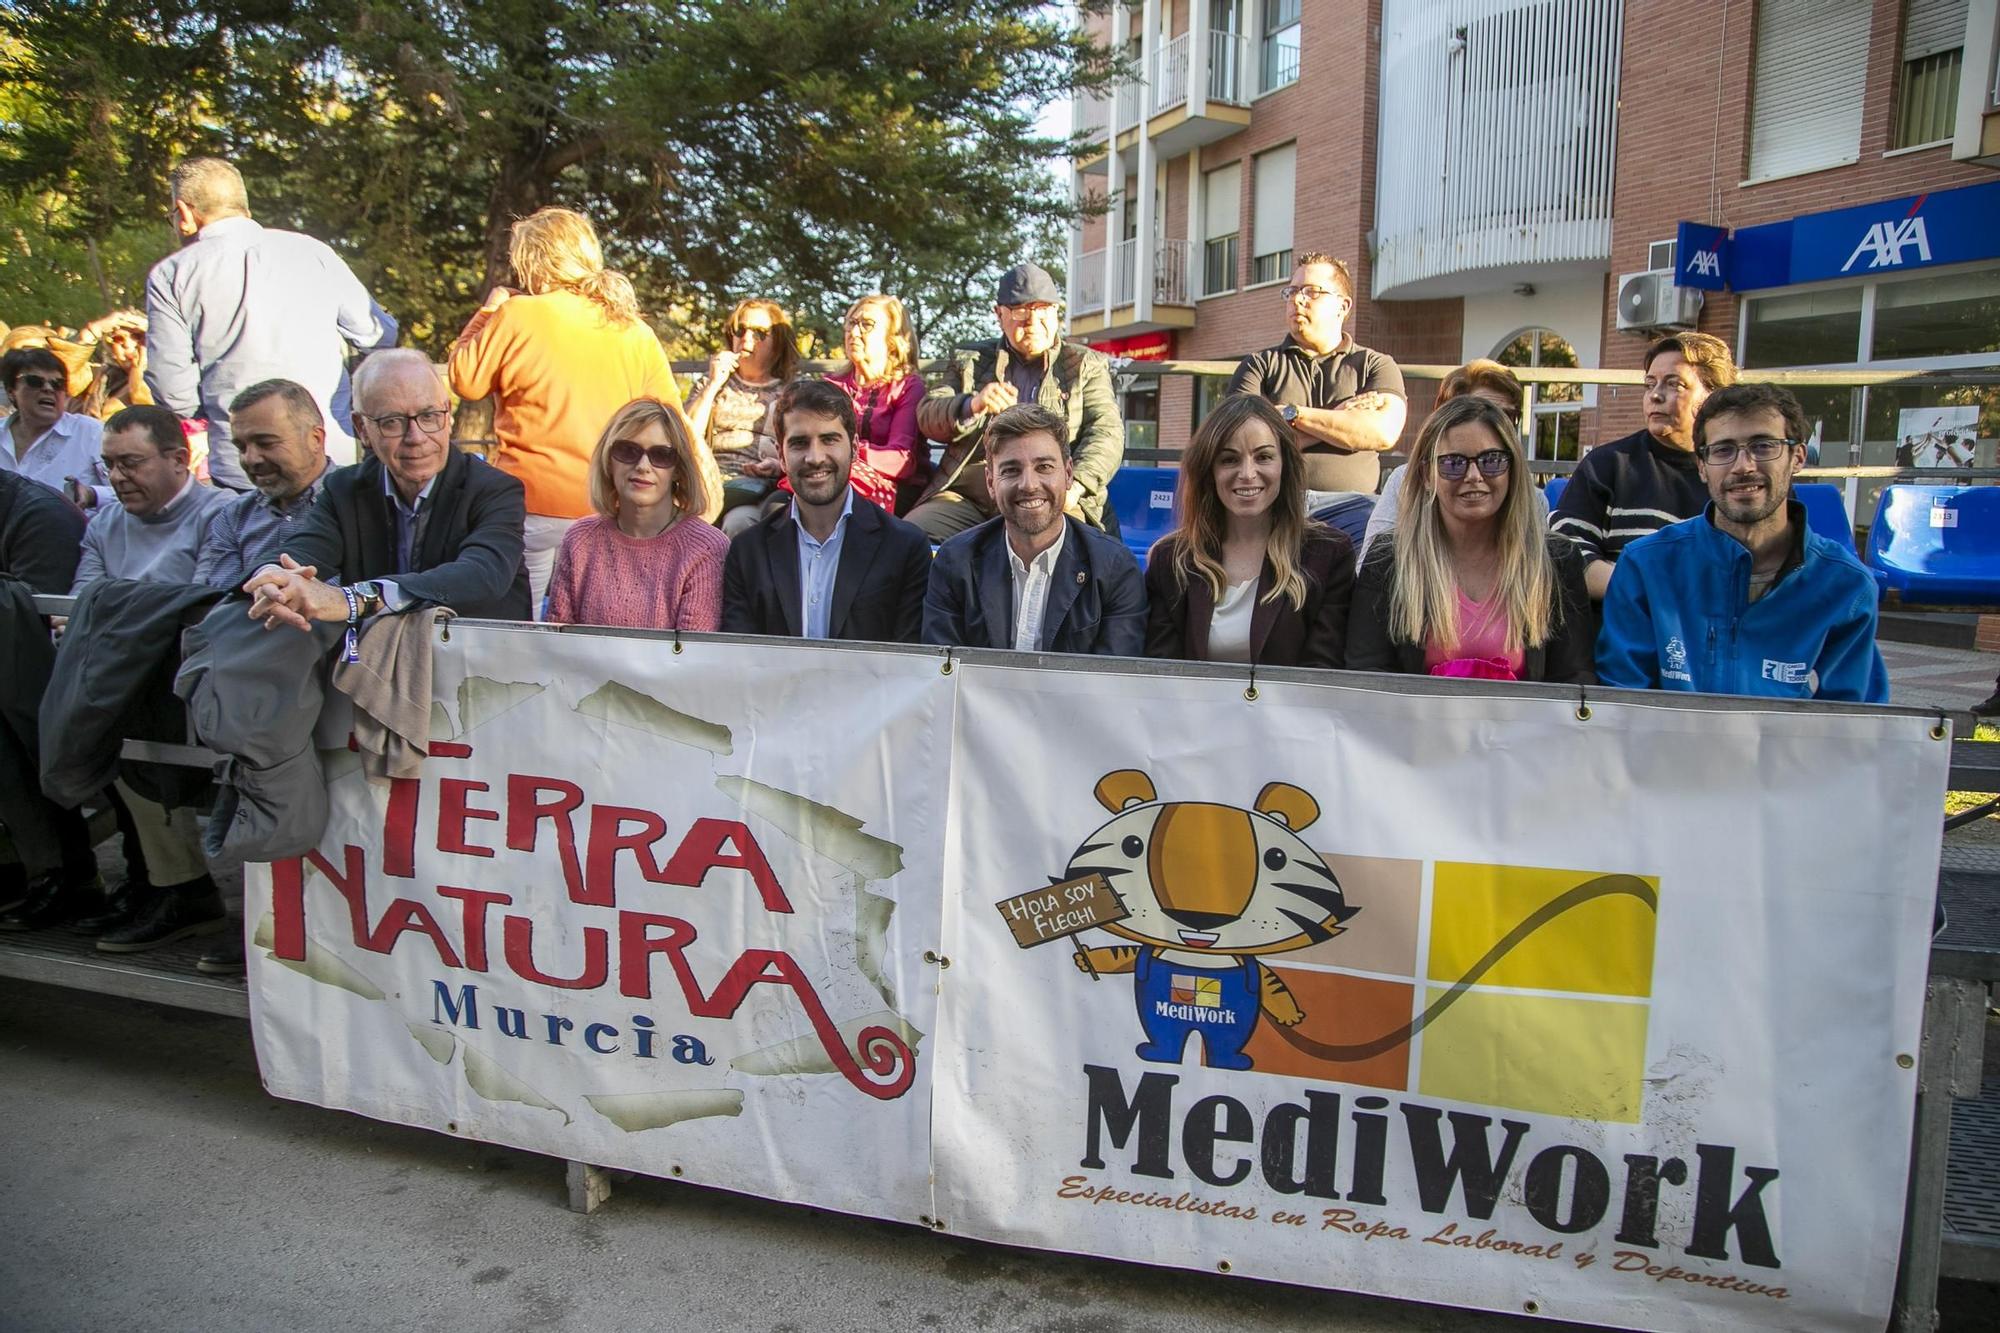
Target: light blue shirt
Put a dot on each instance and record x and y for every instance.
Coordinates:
(410, 520)
(819, 566)
(246, 303)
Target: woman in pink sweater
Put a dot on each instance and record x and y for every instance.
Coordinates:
(648, 560)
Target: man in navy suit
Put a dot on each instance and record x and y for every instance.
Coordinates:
(829, 565)
(1034, 579)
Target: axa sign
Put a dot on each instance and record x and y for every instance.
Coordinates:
(1888, 236)
(1884, 243)
(1701, 256)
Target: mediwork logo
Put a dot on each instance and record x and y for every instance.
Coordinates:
(1885, 242)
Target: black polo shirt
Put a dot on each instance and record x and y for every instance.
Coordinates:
(1288, 373)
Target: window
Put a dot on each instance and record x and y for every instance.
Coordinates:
(1660, 255)
(1209, 391)
(1812, 58)
(1281, 44)
(1557, 430)
(1957, 315)
(1271, 223)
(1803, 329)
(1927, 89)
(1222, 197)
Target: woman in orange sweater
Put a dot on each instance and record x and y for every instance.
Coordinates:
(561, 354)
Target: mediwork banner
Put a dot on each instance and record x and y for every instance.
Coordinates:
(646, 908)
(1458, 998)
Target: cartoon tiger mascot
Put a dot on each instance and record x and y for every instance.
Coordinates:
(1209, 888)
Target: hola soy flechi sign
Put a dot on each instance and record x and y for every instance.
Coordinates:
(1340, 986)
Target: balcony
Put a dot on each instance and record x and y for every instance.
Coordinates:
(1165, 272)
(1178, 125)
(1494, 163)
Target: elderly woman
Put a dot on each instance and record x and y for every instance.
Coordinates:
(1246, 576)
(891, 461)
(648, 560)
(731, 407)
(1470, 583)
(559, 355)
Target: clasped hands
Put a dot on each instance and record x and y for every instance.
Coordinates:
(289, 593)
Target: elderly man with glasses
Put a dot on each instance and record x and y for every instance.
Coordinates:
(1344, 401)
(417, 522)
(1744, 598)
(1029, 363)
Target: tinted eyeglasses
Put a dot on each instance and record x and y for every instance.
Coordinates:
(1723, 452)
(1491, 463)
(39, 382)
(627, 453)
(752, 334)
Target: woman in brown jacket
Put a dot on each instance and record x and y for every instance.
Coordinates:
(1246, 576)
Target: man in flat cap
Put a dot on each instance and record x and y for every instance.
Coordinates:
(1028, 363)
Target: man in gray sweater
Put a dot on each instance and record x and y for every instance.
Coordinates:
(154, 534)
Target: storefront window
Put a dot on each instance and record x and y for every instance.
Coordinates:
(1803, 329)
(1954, 315)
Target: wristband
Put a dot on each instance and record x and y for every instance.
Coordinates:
(351, 650)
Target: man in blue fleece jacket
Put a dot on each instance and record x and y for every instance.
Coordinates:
(1744, 598)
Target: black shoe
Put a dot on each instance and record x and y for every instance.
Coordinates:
(1990, 705)
(52, 900)
(13, 886)
(121, 907)
(226, 958)
(188, 909)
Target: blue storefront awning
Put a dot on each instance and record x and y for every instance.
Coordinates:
(1890, 236)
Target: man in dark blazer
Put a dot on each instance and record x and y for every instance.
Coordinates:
(1034, 579)
(824, 566)
(415, 523)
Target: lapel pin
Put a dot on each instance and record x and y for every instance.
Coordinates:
(1079, 576)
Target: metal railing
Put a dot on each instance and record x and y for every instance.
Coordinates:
(1092, 115)
(1170, 74)
(1124, 267)
(1228, 53)
(1128, 104)
(1087, 282)
(1170, 273)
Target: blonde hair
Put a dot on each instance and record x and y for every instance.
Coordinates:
(902, 347)
(786, 367)
(556, 250)
(1203, 523)
(689, 493)
(1423, 599)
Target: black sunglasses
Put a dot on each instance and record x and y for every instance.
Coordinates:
(38, 382)
(628, 453)
(1453, 467)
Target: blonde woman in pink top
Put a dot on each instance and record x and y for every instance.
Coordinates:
(647, 560)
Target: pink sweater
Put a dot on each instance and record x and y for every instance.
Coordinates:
(672, 581)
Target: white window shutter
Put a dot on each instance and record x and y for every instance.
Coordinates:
(1931, 26)
(1271, 224)
(1222, 201)
(1812, 60)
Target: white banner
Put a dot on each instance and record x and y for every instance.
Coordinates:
(635, 912)
(1456, 998)
(1424, 991)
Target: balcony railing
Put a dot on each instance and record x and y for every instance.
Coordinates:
(1170, 75)
(1128, 105)
(1088, 282)
(1092, 115)
(1227, 53)
(1170, 273)
(1123, 284)
(1496, 138)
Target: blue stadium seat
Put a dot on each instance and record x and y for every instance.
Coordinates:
(1554, 490)
(1826, 511)
(1143, 498)
(1938, 544)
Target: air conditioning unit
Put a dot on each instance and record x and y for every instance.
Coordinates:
(1650, 300)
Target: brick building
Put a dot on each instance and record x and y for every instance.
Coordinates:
(1499, 172)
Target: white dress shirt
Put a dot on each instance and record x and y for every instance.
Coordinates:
(70, 448)
(1031, 591)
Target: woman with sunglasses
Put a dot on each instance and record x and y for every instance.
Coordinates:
(1469, 583)
(1246, 576)
(731, 406)
(558, 354)
(891, 462)
(648, 560)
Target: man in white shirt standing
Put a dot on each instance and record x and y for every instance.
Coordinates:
(41, 438)
(1034, 579)
(240, 303)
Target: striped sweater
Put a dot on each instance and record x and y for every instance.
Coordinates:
(1625, 490)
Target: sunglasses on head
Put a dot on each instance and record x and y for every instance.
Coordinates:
(39, 382)
(629, 452)
(1491, 463)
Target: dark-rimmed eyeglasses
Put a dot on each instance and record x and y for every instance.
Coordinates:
(1491, 463)
(396, 425)
(627, 453)
(1723, 452)
(39, 382)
